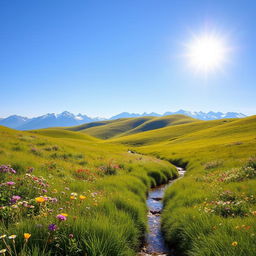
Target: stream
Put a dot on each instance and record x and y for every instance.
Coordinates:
(155, 244)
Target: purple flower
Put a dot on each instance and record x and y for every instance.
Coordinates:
(52, 227)
(6, 168)
(54, 200)
(14, 199)
(61, 217)
(10, 183)
(30, 170)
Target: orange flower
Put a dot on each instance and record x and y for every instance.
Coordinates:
(234, 244)
(27, 236)
(40, 199)
(81, 197)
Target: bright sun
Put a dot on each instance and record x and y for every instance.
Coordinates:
(206, 53)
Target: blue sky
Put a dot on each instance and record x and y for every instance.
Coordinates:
(105, 57)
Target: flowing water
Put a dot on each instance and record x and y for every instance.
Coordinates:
(155, 244)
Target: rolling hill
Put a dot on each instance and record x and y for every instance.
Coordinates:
(126, 126)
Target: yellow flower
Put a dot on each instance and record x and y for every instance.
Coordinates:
(27, 236)
(40, 199)
(12, 237)
(72, 197)
(81, 197)
(234, 244)
(64, 214)
(3, 251)
(2, 236)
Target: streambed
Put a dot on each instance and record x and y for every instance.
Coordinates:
(155, 244)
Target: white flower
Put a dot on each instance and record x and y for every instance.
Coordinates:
(12, 237)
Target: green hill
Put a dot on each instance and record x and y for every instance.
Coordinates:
(61, 133)
(168, 133)
(126, 126)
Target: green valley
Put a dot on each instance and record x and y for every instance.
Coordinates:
(82, 190)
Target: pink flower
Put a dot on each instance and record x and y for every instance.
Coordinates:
(10, 183)
(14, 199)
(61, 217)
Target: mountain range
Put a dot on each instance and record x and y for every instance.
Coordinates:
(66, 118)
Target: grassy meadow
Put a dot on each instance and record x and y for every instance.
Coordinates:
(65, 193)
(78, 191)
(212, 210)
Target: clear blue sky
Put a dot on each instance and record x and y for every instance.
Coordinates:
(104, 57)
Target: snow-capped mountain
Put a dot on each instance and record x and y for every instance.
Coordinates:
(49, 120)
(128, 115)
(68, 119)
(207, 116)
(198, 115)
(14, 121)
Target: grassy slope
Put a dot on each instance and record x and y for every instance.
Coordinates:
(126, 126)
(194, 206)
(112, 218)
(170, 133)
(60, 133)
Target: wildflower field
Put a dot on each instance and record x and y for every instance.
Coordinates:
(65, 192)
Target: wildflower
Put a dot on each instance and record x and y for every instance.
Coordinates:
(52, 227)
(40, 199)
(54, 191)
(74, 194)
(81, 197)
(61, 217)
(54, 200)
(10, 183)
(72, 197)
(14, 199)
(27, 236)
(3, 251)
(254, 213)
(71, 236)
(30, 170)
(234, 244)
(2, 236)
(6, 168)
(64, 214)
(12, 237)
